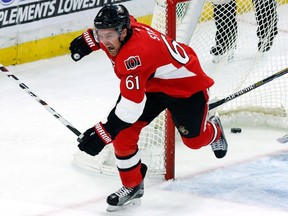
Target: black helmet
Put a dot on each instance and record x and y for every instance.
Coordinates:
(112, 16)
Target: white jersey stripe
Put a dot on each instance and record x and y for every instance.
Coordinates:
(169, 71)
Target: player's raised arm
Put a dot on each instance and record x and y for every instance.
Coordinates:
(83, 45)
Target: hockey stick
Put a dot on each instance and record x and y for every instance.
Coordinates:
(248, 89)
(39, 100)
(78, 133)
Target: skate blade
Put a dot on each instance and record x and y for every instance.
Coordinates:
(130, 204)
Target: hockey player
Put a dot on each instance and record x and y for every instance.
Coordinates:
(226, 27)
(155, 73)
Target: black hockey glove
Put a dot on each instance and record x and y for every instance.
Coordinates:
(83, 45)
(94, 140)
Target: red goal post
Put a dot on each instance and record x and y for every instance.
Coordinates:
(165, 21)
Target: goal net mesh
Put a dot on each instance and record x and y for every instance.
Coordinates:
(247, 62)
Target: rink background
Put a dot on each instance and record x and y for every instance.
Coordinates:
(39, 178)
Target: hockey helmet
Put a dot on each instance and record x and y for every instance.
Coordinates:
(112, 16)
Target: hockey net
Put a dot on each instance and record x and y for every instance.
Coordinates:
(193, 22)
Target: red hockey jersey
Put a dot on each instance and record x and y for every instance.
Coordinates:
(151, 62)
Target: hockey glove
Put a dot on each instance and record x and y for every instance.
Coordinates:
(94, 140)
(83, 45)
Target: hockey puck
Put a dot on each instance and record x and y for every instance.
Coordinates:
(236, 130)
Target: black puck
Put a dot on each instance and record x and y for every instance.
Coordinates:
(236, 130)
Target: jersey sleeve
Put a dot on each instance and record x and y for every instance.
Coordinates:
(133, 72)
(133, 98)
(130, 104)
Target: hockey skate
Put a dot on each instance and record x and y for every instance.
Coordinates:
(219, 54)
(220, 146)
(127, 197)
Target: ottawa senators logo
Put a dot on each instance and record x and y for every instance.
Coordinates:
(132, 62)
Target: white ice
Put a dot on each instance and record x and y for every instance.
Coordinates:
(39, 178)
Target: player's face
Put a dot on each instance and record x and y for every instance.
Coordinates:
(111, 39)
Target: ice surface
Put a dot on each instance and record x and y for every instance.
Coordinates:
(38, 177)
